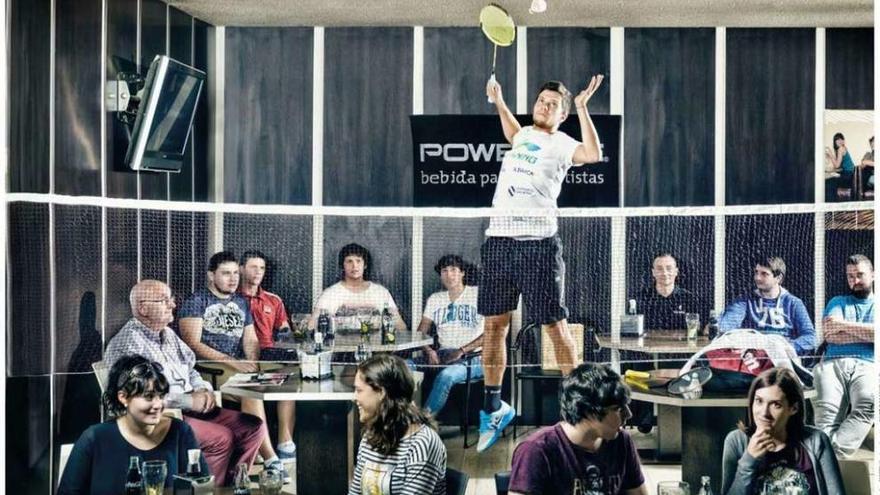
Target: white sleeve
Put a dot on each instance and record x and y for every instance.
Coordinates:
(430, 307)
(567, 147)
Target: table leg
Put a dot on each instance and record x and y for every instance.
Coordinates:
(327, 436)
(669, 428)
(704, 430)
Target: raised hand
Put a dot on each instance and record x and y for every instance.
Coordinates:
(493, 91)
(583, 98)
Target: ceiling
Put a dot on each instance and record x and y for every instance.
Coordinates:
(584, 13)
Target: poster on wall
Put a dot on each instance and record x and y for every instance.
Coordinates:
(848, 155)
(456, 159)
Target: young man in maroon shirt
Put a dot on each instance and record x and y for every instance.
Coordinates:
(269, 316)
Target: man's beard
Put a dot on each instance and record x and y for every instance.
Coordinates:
(860, 293)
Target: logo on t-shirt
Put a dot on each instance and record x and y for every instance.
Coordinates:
(224, 319)
(375, 479)
(591, 484)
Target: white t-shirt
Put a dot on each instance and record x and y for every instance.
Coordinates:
(458, 322)
(531, 177)
(340, 300)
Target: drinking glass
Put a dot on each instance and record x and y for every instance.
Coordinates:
(271, 482)
(154, 477)
(673, 488)
(693, 326)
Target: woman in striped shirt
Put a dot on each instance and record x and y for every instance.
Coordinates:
(400, 452)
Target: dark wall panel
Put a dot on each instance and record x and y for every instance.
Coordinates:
(268, 129)
(29, 295)
(791, 237)
(181, 254)
(670, 115)
(461, 236)
(153, 42)
(122, 257)
(570, 55)
(770, 115)
(849, 68)
(647, 237)
(78, 97)
(154, 244)
(367, 103)
(180, 48)
(287, 242)
(77, 406)
(587, 278)
(121, 55)
(389, 240)
(200, 248)
(28, 447)
(457, 64)
(201, 125)
(29, 76)
(77, 287)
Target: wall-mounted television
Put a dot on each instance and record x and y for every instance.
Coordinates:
(164, 116)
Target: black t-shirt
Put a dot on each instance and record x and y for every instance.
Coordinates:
(667, 313)
(98, 464)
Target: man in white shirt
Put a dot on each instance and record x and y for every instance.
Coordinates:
(459, 327)
(355, 294)
(523, 254)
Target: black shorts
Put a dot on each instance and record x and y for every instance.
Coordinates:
(532, 268)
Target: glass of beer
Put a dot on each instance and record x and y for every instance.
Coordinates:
(271, 482)
(692, 320)
(154, 477)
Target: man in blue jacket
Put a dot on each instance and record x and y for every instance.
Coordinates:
(770, 308)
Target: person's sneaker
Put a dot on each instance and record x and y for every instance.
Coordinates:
(277, 465)
(491, 425)
(286, 451)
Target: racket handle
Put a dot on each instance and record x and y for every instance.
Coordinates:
(490, 81)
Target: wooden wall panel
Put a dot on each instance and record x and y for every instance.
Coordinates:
(122, 17)
(367, 103)
(268, 125)
(669, 106)
(849, 68)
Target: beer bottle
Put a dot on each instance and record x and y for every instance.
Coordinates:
(388, 336)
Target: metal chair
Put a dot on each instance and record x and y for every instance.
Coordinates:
(456, 482)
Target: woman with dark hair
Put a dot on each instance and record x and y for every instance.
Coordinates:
(400, 452)
(133, 399)
(842, 161)
(775, 446)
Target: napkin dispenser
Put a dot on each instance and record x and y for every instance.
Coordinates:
(316, 366)
(632, 324)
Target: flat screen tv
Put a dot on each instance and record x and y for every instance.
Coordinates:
(165, 115)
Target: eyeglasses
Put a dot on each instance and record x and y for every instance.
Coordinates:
(144, 368)
(165, 300)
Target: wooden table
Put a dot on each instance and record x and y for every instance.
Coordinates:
(655, 342)
(327, 426)
(696, 428)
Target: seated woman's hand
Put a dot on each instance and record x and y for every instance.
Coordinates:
(760, 443)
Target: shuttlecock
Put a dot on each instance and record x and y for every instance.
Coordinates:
(538, 6)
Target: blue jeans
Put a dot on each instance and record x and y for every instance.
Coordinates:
(452, 374)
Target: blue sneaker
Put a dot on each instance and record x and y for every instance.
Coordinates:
(277, 465)
(286, 451)
(491, 425)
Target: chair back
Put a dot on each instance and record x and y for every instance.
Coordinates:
(502, 481)
(456, 482)
(856, 476)
(102, 372)
(66, 449)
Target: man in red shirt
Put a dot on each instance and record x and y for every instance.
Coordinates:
(269, 316)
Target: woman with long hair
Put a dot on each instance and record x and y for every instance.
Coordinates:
(400, 452)
(775, 446)
(842, 160)
(133, 399)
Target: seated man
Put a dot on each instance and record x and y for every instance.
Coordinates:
(845, 379)
(867, 166)
(772, 309)
(269, 315)
(587, 452)
(217, 324)
(459, 330)
(226, 437)
(664, 304)
(355, 293)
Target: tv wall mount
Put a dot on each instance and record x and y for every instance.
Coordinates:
(123, 96)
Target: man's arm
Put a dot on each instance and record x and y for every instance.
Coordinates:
(806, 332)
(191, 333)
(590, 149)
(508, 121)
(733, 315)
(839, 331)
(250, 343)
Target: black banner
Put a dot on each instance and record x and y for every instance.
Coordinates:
(456, 161)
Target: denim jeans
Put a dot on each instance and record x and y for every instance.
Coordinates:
(452, 374)
(844, 405)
